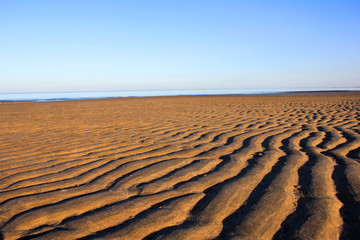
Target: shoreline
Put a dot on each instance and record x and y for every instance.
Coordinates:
(288, 93)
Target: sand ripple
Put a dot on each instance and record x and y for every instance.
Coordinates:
(220, 167)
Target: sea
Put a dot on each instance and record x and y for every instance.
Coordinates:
(79, 95)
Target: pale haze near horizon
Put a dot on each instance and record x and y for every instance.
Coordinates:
(48, 46)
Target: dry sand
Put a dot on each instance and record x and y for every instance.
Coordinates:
(205, 167)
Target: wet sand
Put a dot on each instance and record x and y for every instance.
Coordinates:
(189, 167)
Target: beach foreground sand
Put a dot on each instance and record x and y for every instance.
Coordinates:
(205, 167)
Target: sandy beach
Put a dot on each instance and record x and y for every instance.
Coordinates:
(189, 167)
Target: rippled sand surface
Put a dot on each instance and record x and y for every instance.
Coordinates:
(205, 167)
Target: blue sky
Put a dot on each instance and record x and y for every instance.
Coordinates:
(75, 45)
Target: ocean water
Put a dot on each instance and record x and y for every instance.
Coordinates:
(62, 96)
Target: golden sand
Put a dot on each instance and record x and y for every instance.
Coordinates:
(205, 167)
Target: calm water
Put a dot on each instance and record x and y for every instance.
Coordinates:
(61, 96)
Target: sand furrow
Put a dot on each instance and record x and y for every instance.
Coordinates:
(205, 167)
(317, 214)
(208, 215)
(166, 214)
(272, 200)
(35, 218)
(71, 205)
(347, 181)
(114, 164)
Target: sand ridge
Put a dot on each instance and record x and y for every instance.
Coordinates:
(189, 167)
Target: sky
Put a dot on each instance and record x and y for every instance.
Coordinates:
(87, 45)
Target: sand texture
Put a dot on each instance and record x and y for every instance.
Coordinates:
(205, 167)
